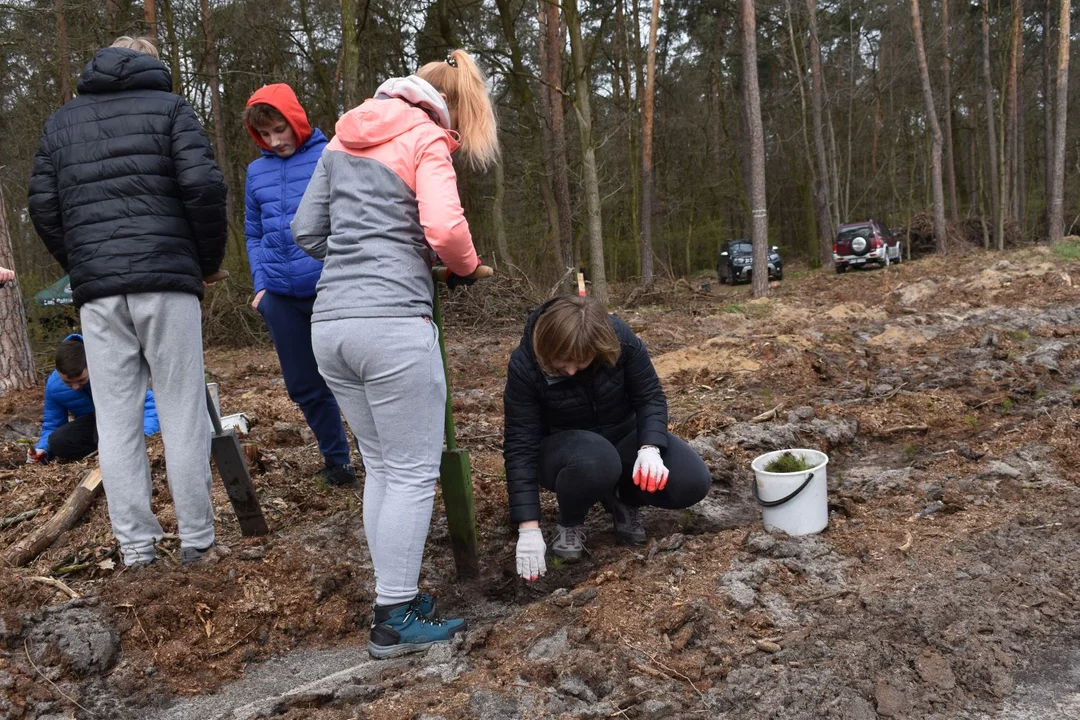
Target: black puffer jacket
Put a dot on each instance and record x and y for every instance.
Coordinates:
(125, 192)
(611, 401)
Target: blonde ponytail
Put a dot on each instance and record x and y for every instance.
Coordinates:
(462, 81)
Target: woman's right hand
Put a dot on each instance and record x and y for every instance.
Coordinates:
(6, 275)
(255, 302)
(530, 552)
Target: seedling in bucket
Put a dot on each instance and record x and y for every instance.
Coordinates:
(788, 463)
(791, 487)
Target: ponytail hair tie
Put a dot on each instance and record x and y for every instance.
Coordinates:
(451, 61)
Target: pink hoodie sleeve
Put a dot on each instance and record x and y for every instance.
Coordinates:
(441, 214)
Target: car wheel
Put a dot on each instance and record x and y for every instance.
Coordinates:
(779, 276)
(841, 269)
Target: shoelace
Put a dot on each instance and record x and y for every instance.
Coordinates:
(414, 612)
(574, 534)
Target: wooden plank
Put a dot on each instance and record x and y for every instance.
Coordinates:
(232, 467)
(24, 551)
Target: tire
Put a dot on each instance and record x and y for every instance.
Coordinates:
(841, 269)
(779, 276)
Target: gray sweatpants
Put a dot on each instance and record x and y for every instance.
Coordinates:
(387, 376)
(130, 338)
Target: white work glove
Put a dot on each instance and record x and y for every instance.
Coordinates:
(650, 473)
(35, 456)
(530, 553)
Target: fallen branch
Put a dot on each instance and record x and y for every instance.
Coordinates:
(16, 519)
(767, 415)
(903, 429)
(24, 551)
(53, 582)
(669, 672)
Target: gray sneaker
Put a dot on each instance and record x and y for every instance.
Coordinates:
(627, 521)
(569, 542)
(209, 555)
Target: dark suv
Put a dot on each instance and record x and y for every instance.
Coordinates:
(736, 262)
(865, 242)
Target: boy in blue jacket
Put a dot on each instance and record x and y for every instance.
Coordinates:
(67, 392)
(284, 275)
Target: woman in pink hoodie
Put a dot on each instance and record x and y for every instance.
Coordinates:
(382, 203)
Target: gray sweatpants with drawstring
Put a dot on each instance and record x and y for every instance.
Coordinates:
(128, 339)
(387, 376)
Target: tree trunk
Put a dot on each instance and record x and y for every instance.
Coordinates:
(972, 186)
(940, 229)
(174, 48)
(716, 124)
(631, 98)
(756, 151)
(588, 148)
(499, 222)
(817, 248)
(150, 15)
(950, 160)
(16, 360)
(220, 149)
(647, 188)
(553, 127)
(1057, 222)
(63, 52)
(350, 69)
(991, 131)
(1008, 147)
(1048, 108)
(821, 184)
(110, 18)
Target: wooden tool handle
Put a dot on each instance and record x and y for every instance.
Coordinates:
(442, 273)
(216, 276)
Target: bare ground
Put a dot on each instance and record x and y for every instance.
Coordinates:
(945, 392)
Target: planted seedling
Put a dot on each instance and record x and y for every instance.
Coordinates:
(788, 463)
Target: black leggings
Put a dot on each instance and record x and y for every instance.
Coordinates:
(74, 440)
(583, 468)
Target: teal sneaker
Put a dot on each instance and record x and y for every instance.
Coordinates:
(403, 628)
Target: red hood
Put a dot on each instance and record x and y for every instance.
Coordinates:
(378, 121)
(282, 98)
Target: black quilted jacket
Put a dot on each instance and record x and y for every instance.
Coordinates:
(125, 192)
(611, 401)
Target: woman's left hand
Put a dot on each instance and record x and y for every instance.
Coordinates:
(6, 275)
(650, 473)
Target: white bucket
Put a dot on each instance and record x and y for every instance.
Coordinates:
(794, 503)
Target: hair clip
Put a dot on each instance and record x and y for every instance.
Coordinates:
(451, 61)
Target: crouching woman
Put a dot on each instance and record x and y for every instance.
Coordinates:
(586, 418)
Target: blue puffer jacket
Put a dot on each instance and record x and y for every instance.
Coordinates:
(275, 187)
(61, 400)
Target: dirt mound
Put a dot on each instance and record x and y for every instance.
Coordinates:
(719, 355)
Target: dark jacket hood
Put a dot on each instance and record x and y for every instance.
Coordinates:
(119, 69)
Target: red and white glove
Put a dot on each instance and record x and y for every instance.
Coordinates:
(35, 456)
(650, 473)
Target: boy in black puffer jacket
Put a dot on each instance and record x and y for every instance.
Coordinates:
(126, 196)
